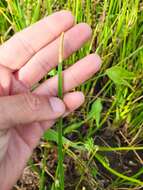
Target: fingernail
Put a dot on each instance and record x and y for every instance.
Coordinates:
(57, 105)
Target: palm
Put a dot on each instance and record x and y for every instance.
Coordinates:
(20, 142)
(30, 53)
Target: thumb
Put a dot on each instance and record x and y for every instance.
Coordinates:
(27, 108)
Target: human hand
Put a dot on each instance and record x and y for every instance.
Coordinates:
(24, 60)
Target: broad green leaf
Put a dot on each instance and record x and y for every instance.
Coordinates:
(51, 135)
(95, 112)
(72, 127)
(120, 76)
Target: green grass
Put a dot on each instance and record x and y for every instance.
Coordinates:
(60, 168)
(109, 127)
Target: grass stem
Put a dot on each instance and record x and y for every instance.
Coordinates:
(60, 122)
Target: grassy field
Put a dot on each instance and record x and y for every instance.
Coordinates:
(103, 141)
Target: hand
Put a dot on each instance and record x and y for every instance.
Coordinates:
(24, 60)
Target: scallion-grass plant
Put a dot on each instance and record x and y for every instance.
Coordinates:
(60, 168)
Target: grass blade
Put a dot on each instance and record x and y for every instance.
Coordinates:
(60, 171)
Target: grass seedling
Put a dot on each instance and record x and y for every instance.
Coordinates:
(60, 171)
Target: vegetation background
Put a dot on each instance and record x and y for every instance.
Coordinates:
(103, 141)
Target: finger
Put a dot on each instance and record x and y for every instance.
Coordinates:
(47, 58)
(72, 101)
(22, 46)
(5, 80)
(30, 137)
(27, 108)
(33, 132)
(73, 76)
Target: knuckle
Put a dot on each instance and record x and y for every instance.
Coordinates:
(5, 117)
(75, 79)
(26, 46)
(44, 63)
(33, 102)
(68, 48)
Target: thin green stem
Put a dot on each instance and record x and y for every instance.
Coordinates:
(108, 149)
(131, 179)
(60, 122)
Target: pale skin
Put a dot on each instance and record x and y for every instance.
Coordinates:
(24, 60)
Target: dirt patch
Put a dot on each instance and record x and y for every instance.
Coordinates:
(29, 180)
